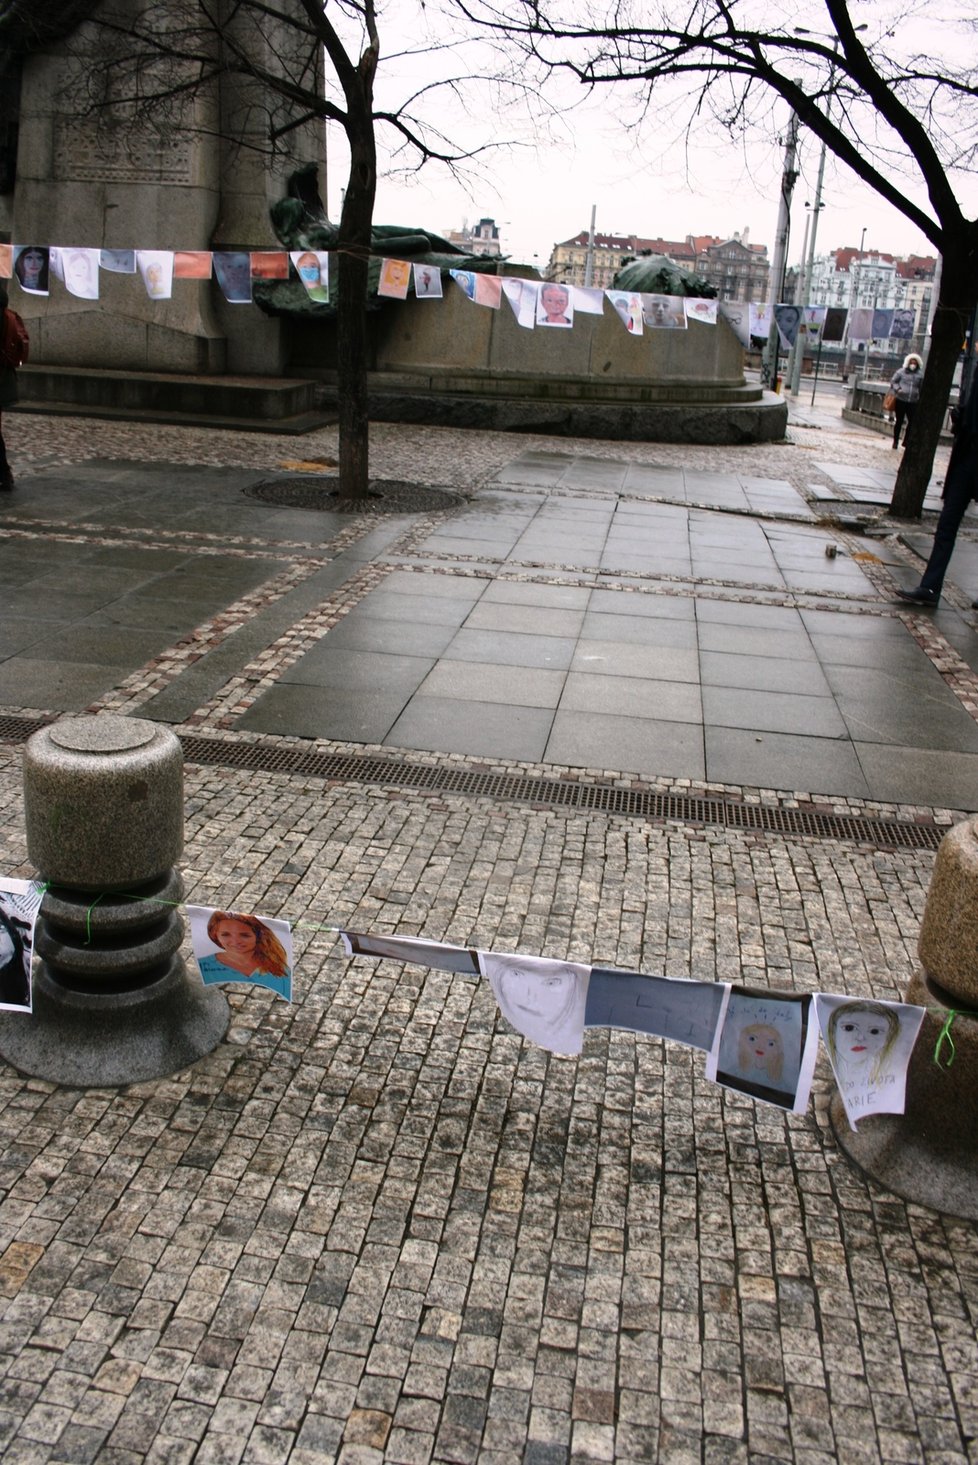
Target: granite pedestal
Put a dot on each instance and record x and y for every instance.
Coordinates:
(929, 1154)
(113, 1002)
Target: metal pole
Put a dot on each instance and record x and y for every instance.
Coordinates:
(818, 362)
(769, 366)
(810, 267)
(589, 261)
(847, 359)
(794, 367)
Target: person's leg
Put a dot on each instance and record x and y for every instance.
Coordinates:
(898, 411)
(909, 411)
(957, 497)
(6, 477)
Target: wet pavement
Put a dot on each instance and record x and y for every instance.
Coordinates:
(579, 611)
(376, 1225)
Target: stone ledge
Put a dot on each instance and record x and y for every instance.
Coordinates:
(725, 424)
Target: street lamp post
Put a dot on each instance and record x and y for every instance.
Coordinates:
(847, 359)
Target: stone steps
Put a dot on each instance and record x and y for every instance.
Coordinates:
(250, 404)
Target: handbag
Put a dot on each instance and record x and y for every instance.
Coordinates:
(889, 402)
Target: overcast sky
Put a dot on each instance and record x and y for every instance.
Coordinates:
(655, 183)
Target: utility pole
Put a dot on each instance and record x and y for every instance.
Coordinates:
(808, 274)
(769, 367)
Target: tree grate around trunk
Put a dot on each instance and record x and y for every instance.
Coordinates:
(386, 495)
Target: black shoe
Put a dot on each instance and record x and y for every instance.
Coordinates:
(6, 481)
(918, 596)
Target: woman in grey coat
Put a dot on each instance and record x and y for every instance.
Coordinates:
(905, 385)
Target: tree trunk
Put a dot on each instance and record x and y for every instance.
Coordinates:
(356, 225)
(351, 351)
(956, 303)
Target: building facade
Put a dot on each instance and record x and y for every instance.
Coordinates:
(852, 278)
(738, 269)
(482, 238)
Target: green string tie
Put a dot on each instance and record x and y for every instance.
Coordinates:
(944, 1036)
(88, 920)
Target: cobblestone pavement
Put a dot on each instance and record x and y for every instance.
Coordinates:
(376, 1225)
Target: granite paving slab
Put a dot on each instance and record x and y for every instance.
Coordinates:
(517, 686)
(478, 729)
(610, 740)
(785, 760)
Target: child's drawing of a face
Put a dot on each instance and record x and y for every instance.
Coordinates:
(861, 1035)
(542, 1000)
(760, 1051)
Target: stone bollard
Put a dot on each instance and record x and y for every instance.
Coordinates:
(113, 1001)
(930, 1153)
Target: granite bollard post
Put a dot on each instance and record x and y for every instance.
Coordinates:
(930, 1153)
(113, 1001)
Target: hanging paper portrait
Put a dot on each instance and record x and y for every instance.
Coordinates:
(236, 946)
(117, 261)
(32, 263)
(269, 264)
(543, 1000)
(312, 267)
(156, 268)
(737, 317)
(765, 1046)
(663, 312)
(554, 305)
(587, 301)
(192, 264)
(427, 282)
(812, 321)
(834, 329)
(788, 320)
(77, 269)
(6, 261)
(465, 280)
(415, 949)
(666, 1007)
(861, 323)
(902, 326)
(869, 1046)
(20, 901)
(522, 297)
(760, 320)
(629, 309)
(488, 291)
(705, 311)
(395, 276)
(232, 269)
(882, 324)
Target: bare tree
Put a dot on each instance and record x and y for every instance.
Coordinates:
(903, 120)
(155, 63)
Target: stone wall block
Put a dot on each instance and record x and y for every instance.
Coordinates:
(103, 802)
(948, 943)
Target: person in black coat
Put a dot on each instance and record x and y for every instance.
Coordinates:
(960, 487)
(8, 396)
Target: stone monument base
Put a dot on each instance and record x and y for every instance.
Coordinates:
(929, 1154)
(77, 1038)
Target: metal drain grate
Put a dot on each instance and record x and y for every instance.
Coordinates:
(19, 729)
(566, 794)
(561, 793)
